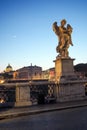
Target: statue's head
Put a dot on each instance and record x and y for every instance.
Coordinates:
(63, 22)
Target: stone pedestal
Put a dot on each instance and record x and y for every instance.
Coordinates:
(64, 68)
(22, 95)
(68, 86)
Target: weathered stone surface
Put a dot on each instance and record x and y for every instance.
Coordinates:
(64, 68)
(22, 96)
(69, 87)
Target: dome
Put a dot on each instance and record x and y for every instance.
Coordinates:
(9, 68)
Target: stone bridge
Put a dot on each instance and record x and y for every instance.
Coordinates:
(32, 93)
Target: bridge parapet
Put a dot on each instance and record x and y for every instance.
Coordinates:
(26, 94)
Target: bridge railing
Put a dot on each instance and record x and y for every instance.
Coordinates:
(7, 95)
(25, 94)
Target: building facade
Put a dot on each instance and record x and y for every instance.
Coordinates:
(29, 72)
(49, 74)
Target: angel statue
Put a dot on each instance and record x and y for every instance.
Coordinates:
(64, 38)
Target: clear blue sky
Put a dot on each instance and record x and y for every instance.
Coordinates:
(26, 34)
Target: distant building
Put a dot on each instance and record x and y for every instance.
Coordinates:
(29, 72)
(49, 74)
(9, 68)
(81, 70)
(8, 73)
(52, 74)
(45, 74)
(1, 78)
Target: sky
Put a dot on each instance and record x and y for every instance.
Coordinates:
(26, 34)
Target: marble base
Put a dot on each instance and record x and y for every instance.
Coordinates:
(69, 87)
(70, 90)
(64, 68)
